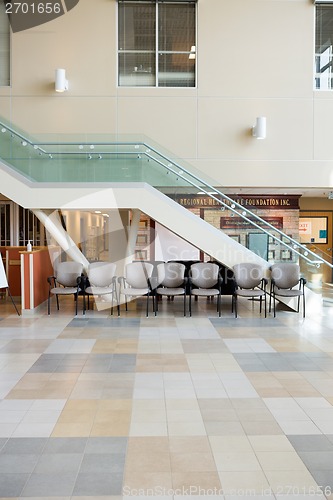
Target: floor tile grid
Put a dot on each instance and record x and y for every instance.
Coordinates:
(171, 386)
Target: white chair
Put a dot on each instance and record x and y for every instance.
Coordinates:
(102, 282)
(205, 281)
(171, 281)
(137, 282)
(284, 278)
(66, 281)
(249, 283)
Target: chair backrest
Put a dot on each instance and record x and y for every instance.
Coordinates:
(171, 274)
(138, 273)
(66, 273)
(204, 274)
(285, 275)
(101, 273)
(248, 275)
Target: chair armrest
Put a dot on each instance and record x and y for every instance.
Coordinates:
(303, 281)
(51, 280)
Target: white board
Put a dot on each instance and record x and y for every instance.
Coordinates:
(3, 277)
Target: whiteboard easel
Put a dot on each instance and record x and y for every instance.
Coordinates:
(4, 282)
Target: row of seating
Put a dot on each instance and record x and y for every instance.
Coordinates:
(171, 279)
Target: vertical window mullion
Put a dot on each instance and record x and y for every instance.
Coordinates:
(156, 46)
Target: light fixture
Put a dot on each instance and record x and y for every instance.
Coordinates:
(61, 83)
(259, 129)
(192, 54)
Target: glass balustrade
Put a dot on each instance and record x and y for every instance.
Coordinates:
(101, 159)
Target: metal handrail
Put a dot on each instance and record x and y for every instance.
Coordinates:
(230, 204)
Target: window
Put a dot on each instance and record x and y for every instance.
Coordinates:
(156, 43)
(323, 49)
(4, 47)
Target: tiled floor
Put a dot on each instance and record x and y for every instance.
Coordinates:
(101, 407)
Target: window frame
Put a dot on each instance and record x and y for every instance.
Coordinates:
(8, 85)
(317, 86)
(156, 47)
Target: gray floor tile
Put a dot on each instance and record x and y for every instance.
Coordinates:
(311, 443)
(56, 463)
(107, 445)
(24, 445)
(324, 479)
(317, 460)
(20, 464)
(103, 463)
(44, 485)
(11, 485)
(3, 441)
(65, 445)
(98, 484)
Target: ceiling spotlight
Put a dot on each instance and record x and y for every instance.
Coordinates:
(100, 157)
(24, 143)
(50, 156)
(80, 147)
(233, 205)
(98, 212)
(92, 146)
(3, 130)
(89, 157)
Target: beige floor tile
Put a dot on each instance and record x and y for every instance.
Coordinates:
(244, 483)
(103, 346)
(236, 461)
(110, 429)
(224, 444)
(280, 460)
(192, 462)
(186, 429)
(147, 445)
(195, 444)
(81, 404)
(78, 416)
(148, 462)
(275, 443)
(115, 404)
(72, 429)
(262, 428)
(196, 483)
(285, 482)
(147, 483)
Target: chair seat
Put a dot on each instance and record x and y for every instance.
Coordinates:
(205, 292)
(64, 291)
(249, 293)
(170, 291)
(99, 290)
(288, 293)
(135, 291)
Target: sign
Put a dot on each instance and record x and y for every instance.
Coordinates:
(261, 202)
(240, 223)
(3, 277)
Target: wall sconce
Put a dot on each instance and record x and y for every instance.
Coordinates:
(192, 54)
(61, 83)
(259, 129)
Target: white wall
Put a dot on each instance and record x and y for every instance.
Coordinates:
(255, 57)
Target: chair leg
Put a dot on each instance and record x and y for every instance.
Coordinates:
(11, 298)
(260, 302)
(298, 303)
(49, 305)
(190, 304)
(76, 296)
(57, 299)
(236, 312)
(184, 304)
(274, 305)
(303, 305)
(219, 304)
(147, 311)
(84, 303)
(265, 299)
